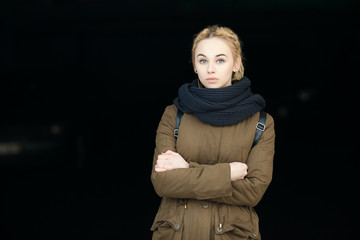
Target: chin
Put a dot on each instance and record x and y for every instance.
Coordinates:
(215, 85)
(205, 84)
(212, 86)
(220, 83)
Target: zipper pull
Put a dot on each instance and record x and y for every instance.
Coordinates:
(219, 229)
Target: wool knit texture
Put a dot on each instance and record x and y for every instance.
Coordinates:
(219, 106)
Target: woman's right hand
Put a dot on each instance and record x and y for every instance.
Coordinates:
(238, 170)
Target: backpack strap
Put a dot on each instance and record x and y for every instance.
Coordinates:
(260, 128)
(178, 120)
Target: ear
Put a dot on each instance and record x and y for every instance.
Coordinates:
(237, 64)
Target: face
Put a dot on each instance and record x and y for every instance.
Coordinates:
(215, 63)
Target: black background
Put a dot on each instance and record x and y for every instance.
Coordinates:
(83, 86)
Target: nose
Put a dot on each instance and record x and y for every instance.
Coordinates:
(211, 68)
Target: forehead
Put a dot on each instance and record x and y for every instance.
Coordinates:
(212, 47)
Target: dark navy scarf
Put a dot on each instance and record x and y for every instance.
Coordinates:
(220, 106)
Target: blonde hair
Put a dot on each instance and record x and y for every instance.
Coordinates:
(229, 37)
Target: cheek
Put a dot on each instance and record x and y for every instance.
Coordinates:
(201, 70)
(227, 71)
(197, 66)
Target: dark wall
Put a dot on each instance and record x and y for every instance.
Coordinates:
(84, 84)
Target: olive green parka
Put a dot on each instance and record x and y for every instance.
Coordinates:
(201, 202)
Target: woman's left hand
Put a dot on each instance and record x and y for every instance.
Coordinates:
(170, 160)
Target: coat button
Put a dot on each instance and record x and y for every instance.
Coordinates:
(255, 234)
(176, 226)
(205, 205)
(219, 229)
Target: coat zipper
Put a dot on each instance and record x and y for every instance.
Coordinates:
(219, 229)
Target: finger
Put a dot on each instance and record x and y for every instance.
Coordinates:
(161, 156)
(161, 162)
(246, 166)
(159, 169)
(169, 152)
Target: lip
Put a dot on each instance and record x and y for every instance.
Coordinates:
(212, 79)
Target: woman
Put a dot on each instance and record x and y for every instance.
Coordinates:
(211, 177)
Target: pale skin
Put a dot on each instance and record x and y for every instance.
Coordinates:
(214, 65)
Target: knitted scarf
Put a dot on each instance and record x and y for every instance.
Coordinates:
(219, 106)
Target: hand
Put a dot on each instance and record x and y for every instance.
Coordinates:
(238, 170)
(170, 160)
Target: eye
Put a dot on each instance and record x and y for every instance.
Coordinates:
(202, 61)
(220, 60)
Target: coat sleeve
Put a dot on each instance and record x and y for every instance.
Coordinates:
(251, 189)
(210, 181)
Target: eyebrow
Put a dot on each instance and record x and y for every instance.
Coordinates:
(219, 55)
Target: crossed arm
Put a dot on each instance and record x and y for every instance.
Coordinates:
(231, 183)
(170, 160)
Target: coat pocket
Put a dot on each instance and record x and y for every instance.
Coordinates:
(168, 223)
(232, 232)
(238, 222)
(166, 229)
